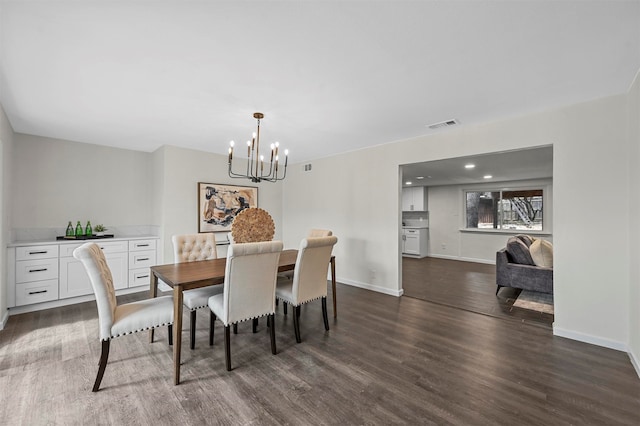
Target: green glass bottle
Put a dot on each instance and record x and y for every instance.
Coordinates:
(70, 231)
(88, 231)
(78, 229)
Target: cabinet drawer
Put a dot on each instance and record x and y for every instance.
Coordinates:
(142, 259)
(138, 277)
(37, 292)
(66, 250)
(113, 246)
(36, 270)
(137, 245)
(37, 252)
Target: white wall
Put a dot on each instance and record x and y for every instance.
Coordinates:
(58, 181)
(357, 195)
(6, 167)
(634, 222)
(182, 170)
(446, 218)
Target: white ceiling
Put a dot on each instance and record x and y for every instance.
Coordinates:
(524, 164)
(329, 76)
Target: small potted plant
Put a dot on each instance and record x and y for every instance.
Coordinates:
(99, 230)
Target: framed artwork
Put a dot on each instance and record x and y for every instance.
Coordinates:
(219, 204)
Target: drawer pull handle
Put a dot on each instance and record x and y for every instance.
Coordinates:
(143, 276)
(38, 252)
(38, 270)
(142, 245)
(142, 259)
(37, 292)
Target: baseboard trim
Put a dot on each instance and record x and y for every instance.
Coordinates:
(593, 340)
(463, 259)
(367, 286)
(5, 318)
(635, 362)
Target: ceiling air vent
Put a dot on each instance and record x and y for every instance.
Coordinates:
(447, 123)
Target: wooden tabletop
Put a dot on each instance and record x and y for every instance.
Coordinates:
(208, 272)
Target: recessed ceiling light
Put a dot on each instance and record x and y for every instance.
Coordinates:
(419, 177)
(488, 176)
(408, 182)
(469, 166)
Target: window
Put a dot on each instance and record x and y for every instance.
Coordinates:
(504, 209)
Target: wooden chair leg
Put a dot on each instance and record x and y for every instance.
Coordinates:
(227, 347)
(324, 313)
(170, 331)
(104, 355)
(192, 329)
(284, 307)
(296, 323)
(298, 309)
(235, 328)
(272, 334)
(498, 289)
(212, 320)
(276, 302)
(255, 325)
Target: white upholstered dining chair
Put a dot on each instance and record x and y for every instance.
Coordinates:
(249, 288)
(193, 248)
(124, 319)
(309, 280)
(313, 233)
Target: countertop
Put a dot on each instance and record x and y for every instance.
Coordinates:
(72, 241)
(416, 227)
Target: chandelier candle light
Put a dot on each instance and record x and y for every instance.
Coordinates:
(255, 161)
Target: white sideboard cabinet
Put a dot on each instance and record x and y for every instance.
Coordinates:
(414, 199)
(40, 273)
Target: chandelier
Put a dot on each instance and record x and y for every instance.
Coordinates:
(255, 162)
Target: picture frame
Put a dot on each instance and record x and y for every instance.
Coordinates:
(218, 205)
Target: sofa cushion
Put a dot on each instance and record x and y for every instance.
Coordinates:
(542, 253)
(519, 251)
(527, 239)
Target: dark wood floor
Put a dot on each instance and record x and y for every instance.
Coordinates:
(465, 285)
(386, 360)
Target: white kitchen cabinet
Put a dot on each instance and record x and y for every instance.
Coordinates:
(47, 273)
(35, 272)
(74, 280)
(414, 199)
(415, 242)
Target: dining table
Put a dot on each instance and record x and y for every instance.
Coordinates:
(189, 275)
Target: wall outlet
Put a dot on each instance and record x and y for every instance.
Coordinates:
(444, 246)
(372, 274)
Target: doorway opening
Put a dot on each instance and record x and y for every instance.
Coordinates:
(457, 267)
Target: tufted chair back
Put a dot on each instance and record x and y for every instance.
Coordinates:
(310, 273)
(192, 247)
(102, 282)
(317, 233)
(250, 281)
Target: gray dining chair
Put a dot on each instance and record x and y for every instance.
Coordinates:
(119, 320)
(249, 288)
(193, 248)
(309, 280)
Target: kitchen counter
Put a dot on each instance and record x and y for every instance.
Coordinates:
(74, 241)
(416, 227)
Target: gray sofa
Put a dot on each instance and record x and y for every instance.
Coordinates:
(516, 268)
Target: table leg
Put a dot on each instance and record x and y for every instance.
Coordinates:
(177, 331)
(153, 292)
(333, 285)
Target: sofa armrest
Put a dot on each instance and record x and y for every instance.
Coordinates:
(526, 277)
